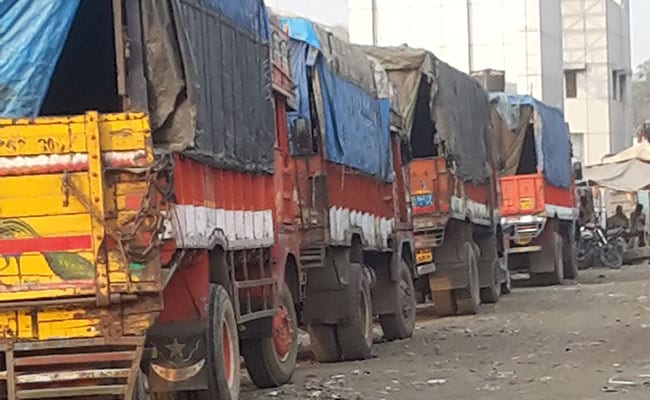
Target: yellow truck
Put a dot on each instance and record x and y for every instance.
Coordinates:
(80, 272)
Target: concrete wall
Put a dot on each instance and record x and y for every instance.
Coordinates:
(521, 37)
(597, 48)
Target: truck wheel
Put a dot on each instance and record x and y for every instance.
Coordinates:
(557, 276)
(469, 299)
(571, 262)
(354, 336)
(270, 361)
(323, 343)
(491, 294)
(223, 354)
(506, 287)
(444, 303)
(401, 324)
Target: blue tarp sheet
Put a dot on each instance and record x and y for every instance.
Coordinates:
(553, 144)
(357, 125)
(249, 15)
(32, 34)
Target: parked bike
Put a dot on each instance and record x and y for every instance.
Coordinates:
(598, 248)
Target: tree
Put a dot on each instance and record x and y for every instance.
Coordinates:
(641, 93)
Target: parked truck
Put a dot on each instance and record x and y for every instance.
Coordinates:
(356, 245)
(538, 197)
(139, 226)
(452, 182)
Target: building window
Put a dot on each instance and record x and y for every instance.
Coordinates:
(578, 145)
(614, 85)
(622, 86)
(571, 84)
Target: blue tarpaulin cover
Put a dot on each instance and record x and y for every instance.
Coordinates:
(32, 34)
(357, 131)
(553, 143)
(249, 15)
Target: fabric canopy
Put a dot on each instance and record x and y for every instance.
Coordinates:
(628, 170)
(627, 176)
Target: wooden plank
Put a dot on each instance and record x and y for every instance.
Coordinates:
(48, 377)
(71, 392)
(82, 358)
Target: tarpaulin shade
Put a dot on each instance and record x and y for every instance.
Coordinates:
(205, 63)
(552, 140)
(457, 106)
(355, 121)
(32, 34)
(249, 15)
(626, 176)
(628, 170)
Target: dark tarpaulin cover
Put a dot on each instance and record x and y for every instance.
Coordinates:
(463, 114)
(249, 15)
(32, 34)
(457, 104)
(209, 85)
(357, 131)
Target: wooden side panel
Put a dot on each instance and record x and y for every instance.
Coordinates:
(57, 201)
(430, 185)
(522, 194)
(559, 196)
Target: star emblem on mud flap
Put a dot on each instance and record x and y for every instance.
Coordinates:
(175, 349)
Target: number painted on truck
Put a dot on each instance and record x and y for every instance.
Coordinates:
(12, 144)
(526, 204)
(423, 256)
(50, 145)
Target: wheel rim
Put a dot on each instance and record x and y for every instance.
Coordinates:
(282, 333)
(228, 355)
(366, 317)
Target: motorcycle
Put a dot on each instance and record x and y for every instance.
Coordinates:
(595, 249)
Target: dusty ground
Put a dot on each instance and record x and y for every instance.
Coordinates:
(580, 341)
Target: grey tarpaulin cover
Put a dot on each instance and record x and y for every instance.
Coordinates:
(458, 105)
(209, 86)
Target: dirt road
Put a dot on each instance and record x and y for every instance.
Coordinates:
(581, 341)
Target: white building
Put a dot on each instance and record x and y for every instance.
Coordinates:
(521, 37)
(597, 72)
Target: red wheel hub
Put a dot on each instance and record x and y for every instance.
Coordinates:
(282, 332)
(227, 353)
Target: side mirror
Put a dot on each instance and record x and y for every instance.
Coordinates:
(577, 171)
(301, 138)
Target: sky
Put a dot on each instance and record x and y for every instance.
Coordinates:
(334, 12)
(640, 16)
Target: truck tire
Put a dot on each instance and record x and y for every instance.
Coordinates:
(444, 303)
(401, 324)
(270, 361)
(223, 356)
(506, 286)
(557, 276)
(570, 262)
(469, 299)
(492, 293)
(324, 344)
(355, 335)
